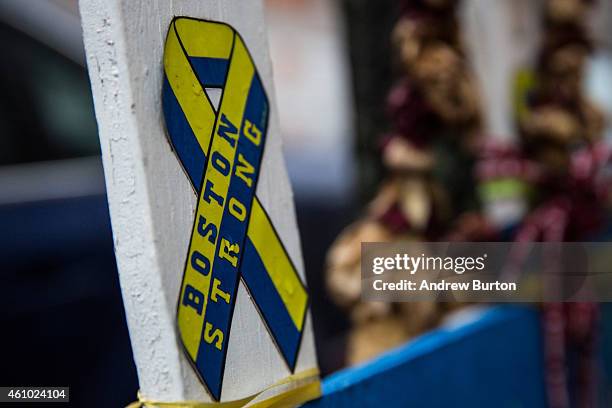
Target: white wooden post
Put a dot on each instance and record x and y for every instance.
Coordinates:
(502, 38)
(153, 205)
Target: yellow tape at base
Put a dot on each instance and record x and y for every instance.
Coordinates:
(303, 393)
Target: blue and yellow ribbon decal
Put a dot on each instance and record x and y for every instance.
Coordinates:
(220, 149)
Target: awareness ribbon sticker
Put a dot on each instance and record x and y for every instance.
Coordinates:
(220, 149)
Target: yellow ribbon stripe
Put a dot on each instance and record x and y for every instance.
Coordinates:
(202, 246)
(277, 262)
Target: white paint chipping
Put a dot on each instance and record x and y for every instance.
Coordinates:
(151, 201)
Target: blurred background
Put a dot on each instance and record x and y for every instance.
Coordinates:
(61, 319)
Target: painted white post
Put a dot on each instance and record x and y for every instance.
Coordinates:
(152, 203)
(502, 37)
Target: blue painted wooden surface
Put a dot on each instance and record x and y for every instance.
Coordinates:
(493, 361)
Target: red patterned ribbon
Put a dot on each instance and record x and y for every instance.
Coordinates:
(572, 213)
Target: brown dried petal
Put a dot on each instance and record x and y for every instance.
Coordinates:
(416, 202)
(343, 273)
(419, 316)
(553, 123)
(438, 63)
(455, 102)
(594, 120)
(566, 11)
(401, 155)
(369, 339)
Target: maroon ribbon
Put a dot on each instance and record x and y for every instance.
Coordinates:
(573, 212)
